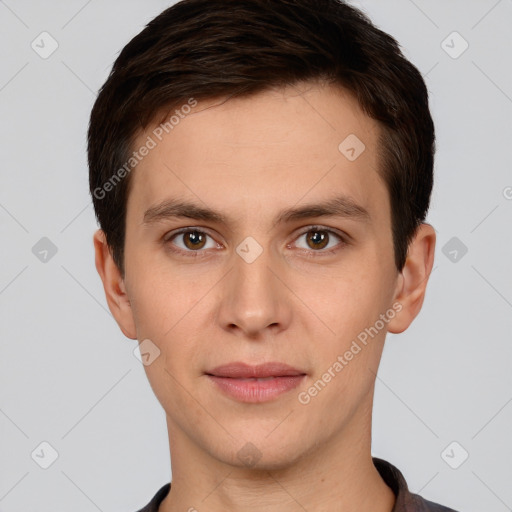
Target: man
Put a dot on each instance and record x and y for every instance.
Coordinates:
(261, 171)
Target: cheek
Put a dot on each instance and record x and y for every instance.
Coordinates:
(170, 310)
(352, 299)
(351, 306)
(162, 296)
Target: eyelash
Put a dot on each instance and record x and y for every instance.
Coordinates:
(201, 253)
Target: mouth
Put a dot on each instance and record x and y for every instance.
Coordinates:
(255, 384)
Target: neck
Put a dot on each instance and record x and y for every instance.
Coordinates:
(335, 476)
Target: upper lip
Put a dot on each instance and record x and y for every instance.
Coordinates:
(245, 371)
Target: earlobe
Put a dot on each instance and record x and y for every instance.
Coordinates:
(412, 282)
(114, 286)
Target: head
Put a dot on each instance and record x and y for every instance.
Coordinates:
(244, 117)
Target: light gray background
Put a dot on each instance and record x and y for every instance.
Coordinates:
(69, 377)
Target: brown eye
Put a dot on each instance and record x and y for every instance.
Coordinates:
(190, 242)
(194, 239)
(317, 239)
(320, 240)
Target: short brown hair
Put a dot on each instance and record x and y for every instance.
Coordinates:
(226, 48)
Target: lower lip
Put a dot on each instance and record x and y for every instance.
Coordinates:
(255, 391)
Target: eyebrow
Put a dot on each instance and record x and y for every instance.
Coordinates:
(339, 206)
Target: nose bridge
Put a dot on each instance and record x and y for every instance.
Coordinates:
(255, 298)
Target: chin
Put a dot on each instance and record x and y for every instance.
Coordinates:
(259, 453)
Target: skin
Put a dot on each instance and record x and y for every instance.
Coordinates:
(250, 158)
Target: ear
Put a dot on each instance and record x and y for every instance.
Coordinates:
(113, 284)
(412, 281)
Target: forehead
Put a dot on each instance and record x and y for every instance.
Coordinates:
(260, 154)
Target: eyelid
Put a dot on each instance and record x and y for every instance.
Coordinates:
(318, 227)
(171, 234)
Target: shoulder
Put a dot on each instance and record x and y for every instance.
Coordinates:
(153, 505)
(406, 501)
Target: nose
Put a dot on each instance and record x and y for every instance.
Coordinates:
(255, 301)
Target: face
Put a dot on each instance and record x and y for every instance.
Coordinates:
(270, 278)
